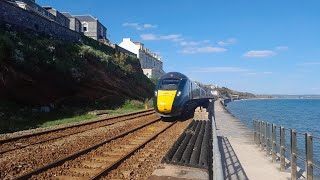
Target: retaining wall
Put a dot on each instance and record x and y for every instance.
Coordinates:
(25, 20)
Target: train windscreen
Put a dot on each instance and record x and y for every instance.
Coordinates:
(169, 84)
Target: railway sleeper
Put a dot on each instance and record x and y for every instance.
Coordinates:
(95, 164)
(71, 178)
(85, 171)
(107, 157)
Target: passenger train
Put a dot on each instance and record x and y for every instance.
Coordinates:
(176, 94)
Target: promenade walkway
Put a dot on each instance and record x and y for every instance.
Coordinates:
(241, 158)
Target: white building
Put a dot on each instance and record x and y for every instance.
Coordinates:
(151, 64)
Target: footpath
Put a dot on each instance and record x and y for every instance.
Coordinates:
(241, 158)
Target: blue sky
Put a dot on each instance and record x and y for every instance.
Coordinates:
(263, 47)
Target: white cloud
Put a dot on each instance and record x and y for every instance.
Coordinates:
(282, 48)
(259, 54)
(189, 43)
(220, 70)
(153, 37)
(130, 24)
(193, 43)
(205, 49)
(138, 26)
(173, 37)
(148, 37)
(150, 26)
(258, 73)
(229, 41)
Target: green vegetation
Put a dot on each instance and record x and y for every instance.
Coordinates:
(129, 106)
(68, 120)
(39, 60)
(225, 92)
(14, 117)
(35, 54)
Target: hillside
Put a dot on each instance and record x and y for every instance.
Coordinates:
(225, 92)
(37, 71)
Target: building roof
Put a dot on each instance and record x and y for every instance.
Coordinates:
(138, 43)
(85, 17)
(175, 75)
(67, 14)
(47, 7)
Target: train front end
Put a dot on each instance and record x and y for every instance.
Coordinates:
(168, 95)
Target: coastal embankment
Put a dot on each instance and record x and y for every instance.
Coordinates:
(241, 158)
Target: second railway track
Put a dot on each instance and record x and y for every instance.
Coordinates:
(18, 162)
(99, 159)
(22, 141)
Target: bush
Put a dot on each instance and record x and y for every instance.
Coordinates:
(6, 47)
(133, 104)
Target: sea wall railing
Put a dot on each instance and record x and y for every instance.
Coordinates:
(272, 139)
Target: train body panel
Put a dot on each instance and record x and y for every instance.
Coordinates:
(165, 100)
(175, 93)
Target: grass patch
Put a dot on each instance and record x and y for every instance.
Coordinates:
(68, 120)
(14, 117)
(129, 106)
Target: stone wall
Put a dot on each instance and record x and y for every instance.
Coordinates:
(59, 18)
(25, 20)
(92, 29)
(75, 24)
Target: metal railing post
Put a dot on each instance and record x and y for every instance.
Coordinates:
(259, 133)
(282, 148)
(309, 156)
(293, 154)
(263, 135)
(274, 143)
(268, 139)
(254, 132)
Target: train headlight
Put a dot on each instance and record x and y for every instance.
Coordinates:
(179, 93)
(156, 93)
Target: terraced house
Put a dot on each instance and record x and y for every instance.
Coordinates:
(32, 6)
(75, 24)
(151, 63)
(45, 11)
(92, 28)
(87, 24)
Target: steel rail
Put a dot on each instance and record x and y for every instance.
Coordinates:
(54, 138)
(126, 156)
(72, 126)
(79, 153)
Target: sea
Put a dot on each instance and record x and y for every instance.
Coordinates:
(303, 115)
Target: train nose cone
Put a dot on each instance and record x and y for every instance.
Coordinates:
(165, 100)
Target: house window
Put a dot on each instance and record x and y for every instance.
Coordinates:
(85, 27)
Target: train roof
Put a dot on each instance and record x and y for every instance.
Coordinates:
(176, 75)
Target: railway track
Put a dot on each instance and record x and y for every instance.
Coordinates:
(99, 159)
(22, 141)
